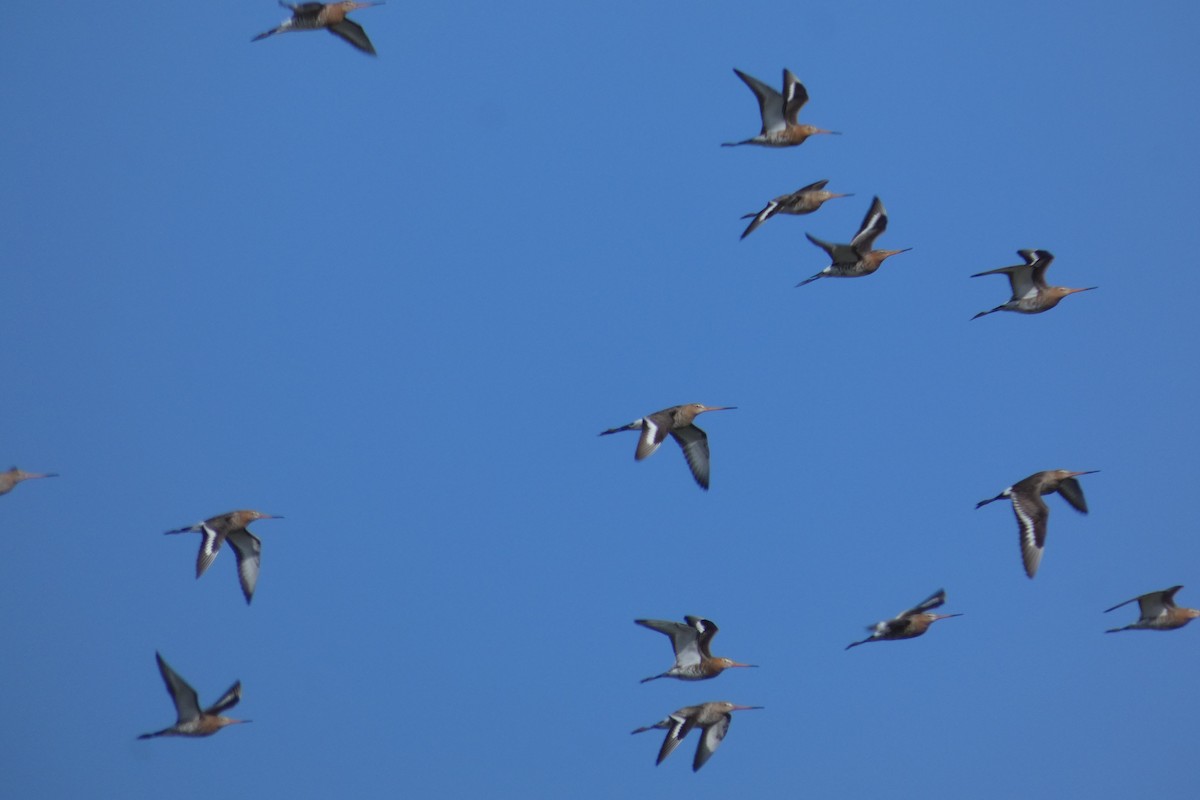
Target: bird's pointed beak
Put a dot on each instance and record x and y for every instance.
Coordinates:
(831, 133)
(1087, 289)
(719, 408)
(936, 617)
(1085, 472)
(740, 664)
(746, 708)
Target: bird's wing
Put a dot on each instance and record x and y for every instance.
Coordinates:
(695, 449)
(770, 103)
(654, 430)
(187, 706)
(761, 217)
(838, 253)
(1039, 267)
(873, 224)
(680, 726)
(353, 33)
(812, 187)
(1072, 492)
(1020, 279)
(705, 630)
(227, 701)
(933, 601)
(683, 639)
(713, 736)
(249, 553)
(1137, 600)
(1031, 515)
(1153, 605)
(210, 545)
(794, 97)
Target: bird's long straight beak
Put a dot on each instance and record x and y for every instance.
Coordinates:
(746, 708)
(1085, 472)
(1087, 289)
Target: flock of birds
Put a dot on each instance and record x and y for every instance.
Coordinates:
(691, 639)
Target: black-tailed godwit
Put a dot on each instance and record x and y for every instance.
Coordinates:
(802, 201)
(330, 16)
(1030, 294)
(779, 112)
(191, 720)
(247, 546)
(856, 259)
(712, 718)
(693, 659)
(677, 421)
(12, 477)
(1158, 612)
(907, 624)
(1031, 511)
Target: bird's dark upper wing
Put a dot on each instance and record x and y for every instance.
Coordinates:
(227, 701)
(1072, 492)
(353, 33)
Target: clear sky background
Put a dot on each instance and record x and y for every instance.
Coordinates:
(395, 300)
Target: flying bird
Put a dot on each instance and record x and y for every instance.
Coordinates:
(907, 624)
(1031, 511)
(12, 477)
(802, 201)
(191, 720)
(693, 660)
(1030, 294)
(856, 259)
(247, 546)
(1158, 612)
(779, 112)
(330, 16)
(677, 421)
(712, 718)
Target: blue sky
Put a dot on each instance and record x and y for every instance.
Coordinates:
(395, 300)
